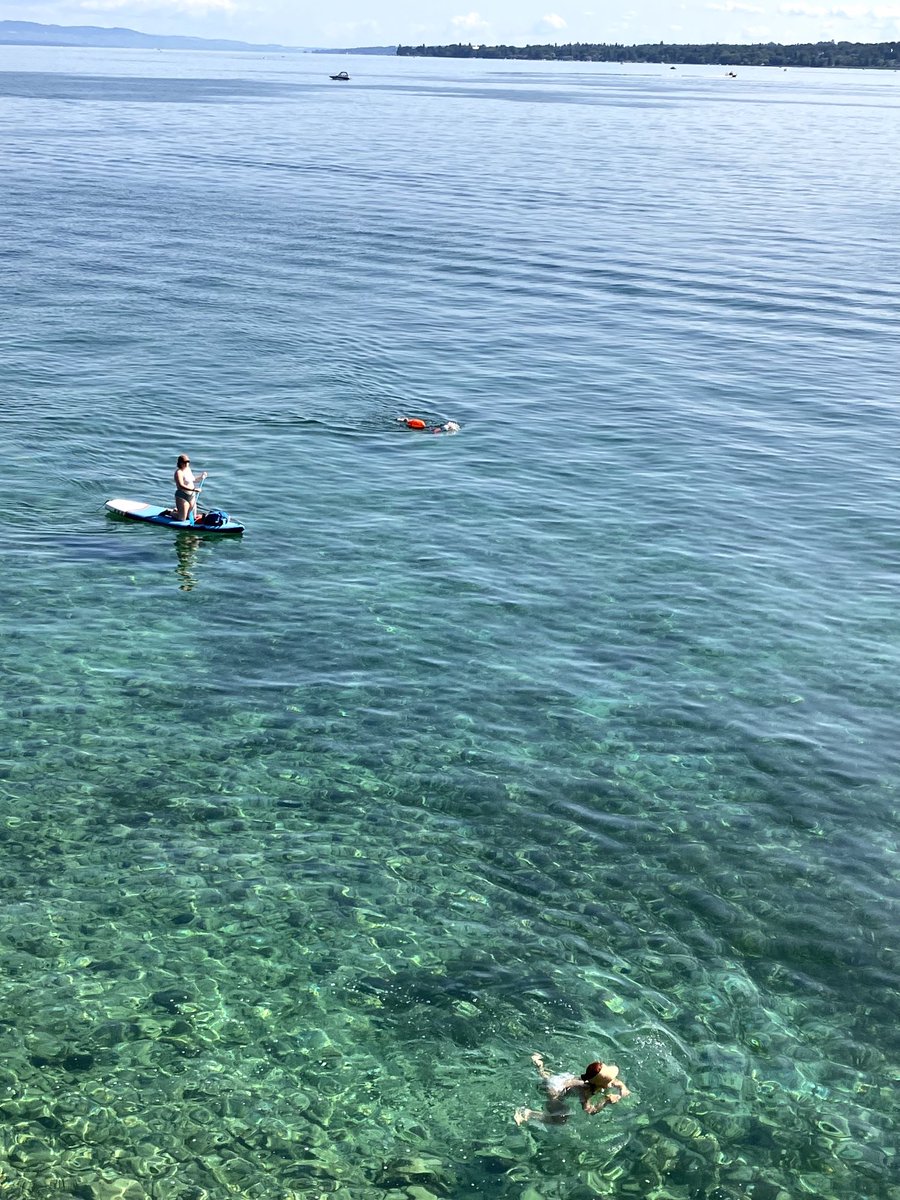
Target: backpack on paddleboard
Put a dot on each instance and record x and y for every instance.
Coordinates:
(214, 519)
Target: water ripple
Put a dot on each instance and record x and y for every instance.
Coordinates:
(576, 732)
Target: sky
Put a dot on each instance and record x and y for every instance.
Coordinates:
(345, 23)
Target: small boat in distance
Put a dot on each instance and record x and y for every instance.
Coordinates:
(342, 75)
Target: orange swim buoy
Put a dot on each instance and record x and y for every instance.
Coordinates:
(414, 422)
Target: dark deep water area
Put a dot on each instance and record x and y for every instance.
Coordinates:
(575, 732)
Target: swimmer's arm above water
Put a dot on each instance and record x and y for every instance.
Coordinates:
(539, 1063)
(591, 1109)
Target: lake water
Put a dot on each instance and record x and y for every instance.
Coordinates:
(578, 731)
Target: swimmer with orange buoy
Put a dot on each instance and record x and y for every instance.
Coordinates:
(418, 423)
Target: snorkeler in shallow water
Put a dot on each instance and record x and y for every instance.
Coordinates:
(597, 1079)
(418, 423)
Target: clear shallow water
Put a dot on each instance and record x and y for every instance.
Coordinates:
(576, 732)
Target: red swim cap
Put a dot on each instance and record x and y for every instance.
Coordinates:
(415, 422)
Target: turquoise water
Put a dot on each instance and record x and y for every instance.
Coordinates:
(576, 732)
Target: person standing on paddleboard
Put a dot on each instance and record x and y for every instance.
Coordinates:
(186, 489)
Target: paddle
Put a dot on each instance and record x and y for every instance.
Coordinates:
(197, 492)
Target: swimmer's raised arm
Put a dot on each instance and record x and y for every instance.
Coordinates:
(539, 1063)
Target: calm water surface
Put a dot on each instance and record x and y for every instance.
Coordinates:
(576, 732)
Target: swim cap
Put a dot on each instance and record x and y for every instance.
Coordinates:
(591, 1071)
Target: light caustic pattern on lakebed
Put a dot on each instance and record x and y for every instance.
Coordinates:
(276, 967)
(576, 732)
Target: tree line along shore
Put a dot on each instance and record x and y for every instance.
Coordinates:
(881, 55)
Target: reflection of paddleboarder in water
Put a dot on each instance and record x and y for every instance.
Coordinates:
(598, 1078)
(418, 423)
(186, 547)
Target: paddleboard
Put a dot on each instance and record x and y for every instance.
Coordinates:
(137, 510)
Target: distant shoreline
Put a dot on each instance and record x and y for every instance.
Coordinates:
(880, 55)
(868, 55)
(32, 33)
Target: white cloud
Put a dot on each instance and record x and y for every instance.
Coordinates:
(553, 21)
(841, 12)
(735, 6)
(472, 22)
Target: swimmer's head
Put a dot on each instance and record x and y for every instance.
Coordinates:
(451, 427)
(598, 1075)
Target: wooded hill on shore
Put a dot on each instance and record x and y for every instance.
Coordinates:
(881, 55)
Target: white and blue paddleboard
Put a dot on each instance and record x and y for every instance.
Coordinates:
(137, 510)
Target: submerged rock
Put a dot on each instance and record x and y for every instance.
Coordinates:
(171, 999)
(118, 1189)
(414, 1171)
